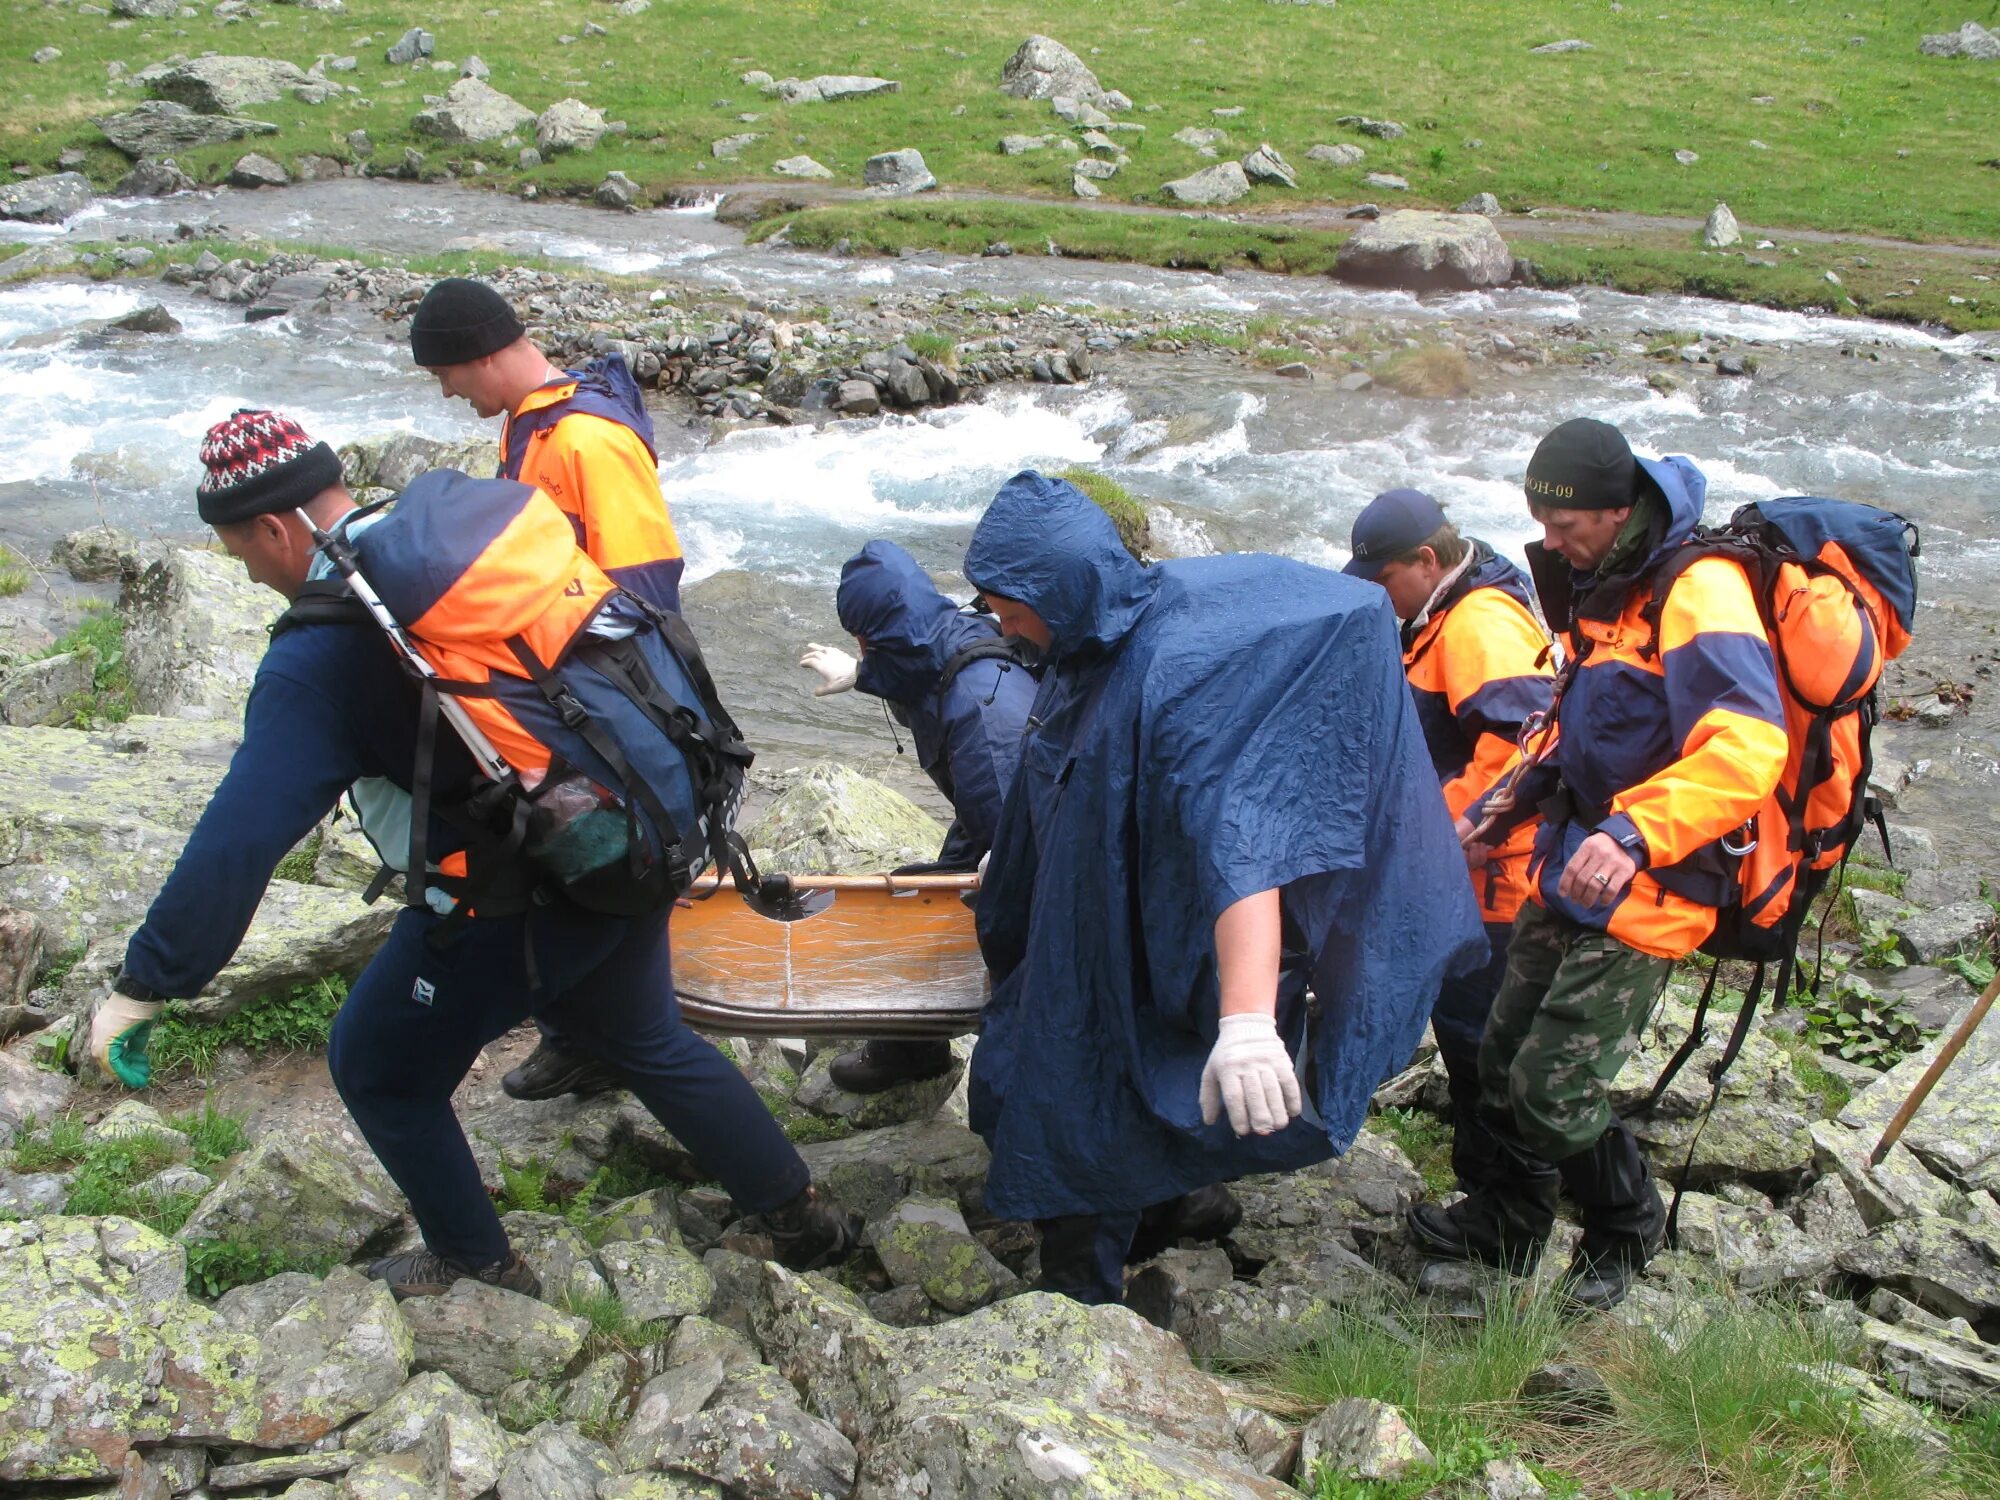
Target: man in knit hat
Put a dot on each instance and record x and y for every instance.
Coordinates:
(583, 438)
(330, 707)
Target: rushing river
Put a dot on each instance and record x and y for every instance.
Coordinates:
(1230, 457)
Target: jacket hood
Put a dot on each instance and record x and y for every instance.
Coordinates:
(1045, 544)
(911, 629)
(1685, 489)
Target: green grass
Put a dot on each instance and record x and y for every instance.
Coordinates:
(1425, 1140)
(105, 1175)
(216, 1265)
(932, 345)
(108, 700)
(1812, 1075)
(612, 1329)
(299, 1019)
(298, 864)
(15, 572)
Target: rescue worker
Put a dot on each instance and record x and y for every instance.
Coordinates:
(964, 696)
(1661, 748)
(1223, 795)
(1477, 662)
(584, 439)
(330, 703)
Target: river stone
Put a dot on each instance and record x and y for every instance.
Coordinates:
(340, 1352)
(893, 172)
(197, 629)
(1042, 68)
(829, 87)
(1266, 165)
(481, 1335)
(160, 127)
(41, 692)
(568, 125)
(800, 166)
(1426, 251)
(557, 1253)
(698, 1358)
(411, 45)
(472, 111)
(1361, 1439)
(253, 1307)
(256, 170)
(307, 1192)
(1343, 155)
(93, 554)
(46, 200)
(616, 191)
(656, 1279)
(475, 1445)
(834, 821)
(923, 1242)
(101, 1348)
(1211, 187)
(227, 85)
(1957, 1131)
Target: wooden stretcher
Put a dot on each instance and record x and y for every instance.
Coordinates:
(889, 956)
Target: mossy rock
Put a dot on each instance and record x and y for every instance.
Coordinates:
(1127, 511)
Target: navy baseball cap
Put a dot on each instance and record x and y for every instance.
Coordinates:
(1394, 522)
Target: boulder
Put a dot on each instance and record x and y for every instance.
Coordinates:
(28, 1092)
(253, 1307)
(1928, 936)
(46, 200)
(698, 1358)
(756, 1441)
(1266, 165)
(1957, 1131)
(558, 1254)
(557, 1462)
(1042, 68)
(616, 191)
(1480, 203)
(829, 87)
(923, 1242)
(1211, 187)
(1900, 1188)
(472, 111)
(916, 1100)
(475, 1445)
(1201, 139)
(894, 172)
(1752, 1250)
(1570, 45)
(101, 1349)
(44, 691)
(596, 1397)
(656, 1279)
(1356, 1438)
(411, 45)
(834, 821)
(1382, 130)
(160, 127)
(1719, 230)
(1343, 155)
(1970, 40)
(732, 146)
(307, 1192)
(256, 170)
(149, 10)
(1951, 1268)
(800, 166)
(857, 398)
(196, 630)
(482, 1335)
(94, 554)
(568, 125)
(153, 179)
(261, 1473)
(1426, 251)
(873, 1169)
(419, 1473)
(338, 1353)
(391, 463)
(227, 85)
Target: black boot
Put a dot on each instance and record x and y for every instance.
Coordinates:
(1475, 1154)
(1506, 1220)
(875, 1066)
(1082, 1259)
(1210, 1213)
(550, 1072)
(811, 1232)
(1624, 1221)
(424, 1273)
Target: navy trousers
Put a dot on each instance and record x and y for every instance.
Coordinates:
(1458, 1020)
(418, 1016)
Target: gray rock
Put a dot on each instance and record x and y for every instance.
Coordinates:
(106, 1350)
(732, 146)
(1936, 997)
(1426, 251)
(800, 166)
(317, 1192)
(616, 191)
(1900, 1188)
(161, 128)
(130, 1120)
(153, 179)
(1753, 1251)
(923, 1241)
(698, 1357)
(255, 171)
(1091, 169)
(1970, 40)
(828, 88)
(1719, 230)
(1365, 211)
(1387, 180)
(1926, 937)
(261, 1473)
(1382, 130)
(1079, 112)
(150, 10)
(556, 1463)
(1941, 1365)
(46, 200)
(475, 1446)
(31, 1195)
(337, 1353)
(474, 67)
(904, 384)
(1957, 1132)
(1266, 165)
(227, 85)
(253, 1307)
(917, 1100)
(1361, 1439)
(411, 45)
(481, 1335)
(559, 1255)
(195, 636)
(1951, 1268)
(596, 1397)
(472, 111)
(42, 692)
(832, 820)
(1021, 145)
(1211, 187)
(420, 1473)
(1042, 68)
(756, 1441)
(528, 159)
(1343, 155)
(894, 172)
(1203, 140)
(656, 1279)
(23, 940)
(568, 125)
(1686, 158)
(1480, 203)
(1572, 45)
(1827, 1214)
(1271, 1446)
(1940, 887)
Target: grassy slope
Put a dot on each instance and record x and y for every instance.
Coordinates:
(1592, 129)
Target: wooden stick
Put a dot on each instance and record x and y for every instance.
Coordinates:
(966, 882)
(1935, 1071)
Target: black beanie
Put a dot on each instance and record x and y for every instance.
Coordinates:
(257, 462)
(460, 321)
(1584, 464)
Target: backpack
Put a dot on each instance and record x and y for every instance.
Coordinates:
(604, 388)
(1836, 587)
(614, 771)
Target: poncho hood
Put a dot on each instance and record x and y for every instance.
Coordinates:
(912, 630)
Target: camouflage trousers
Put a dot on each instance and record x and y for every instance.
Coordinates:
(1565, 1019)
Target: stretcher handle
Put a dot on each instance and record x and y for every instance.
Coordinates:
(891, 883)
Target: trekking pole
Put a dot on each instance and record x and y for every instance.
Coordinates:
(1935, 1071)
(489, 760)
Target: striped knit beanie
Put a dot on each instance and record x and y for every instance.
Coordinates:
(258, 462)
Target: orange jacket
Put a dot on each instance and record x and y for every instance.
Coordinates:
(1478, 671)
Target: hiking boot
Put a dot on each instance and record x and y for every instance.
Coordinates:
(423, 1273)
(1210, 1213)
(875, 1066)
(1624, 1221)
(1504, 1223)
(811, 1232)
(550, 1072)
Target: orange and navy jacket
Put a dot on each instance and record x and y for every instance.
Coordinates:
(1478, 670)
(1669, 745)
(586, 442)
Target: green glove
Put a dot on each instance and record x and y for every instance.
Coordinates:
(120, 1030)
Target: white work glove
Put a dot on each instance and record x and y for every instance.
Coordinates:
(835, 667)
(119, 1029)
(1251, 1075)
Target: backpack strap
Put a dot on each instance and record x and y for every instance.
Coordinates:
(322, 601)
(994, 648)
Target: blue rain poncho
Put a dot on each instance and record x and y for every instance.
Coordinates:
(968, 731)
(1207, 729)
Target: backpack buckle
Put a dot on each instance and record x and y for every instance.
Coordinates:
(1734, 842)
